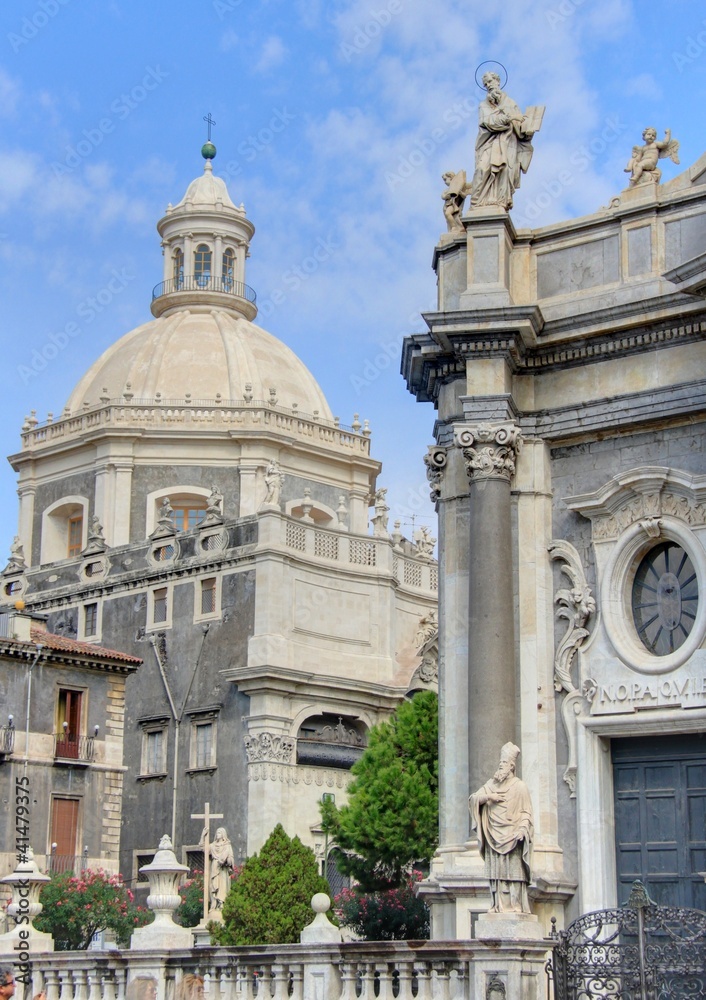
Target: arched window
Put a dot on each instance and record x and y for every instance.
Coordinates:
(228, 269)
(202, 265)
(178, 275)
(64, 533)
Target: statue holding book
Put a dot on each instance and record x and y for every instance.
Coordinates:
(503, 147)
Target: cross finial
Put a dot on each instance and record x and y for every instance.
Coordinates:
(209, 121)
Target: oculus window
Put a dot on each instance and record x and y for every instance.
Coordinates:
(664, 598)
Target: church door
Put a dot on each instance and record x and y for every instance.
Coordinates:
(660, 817)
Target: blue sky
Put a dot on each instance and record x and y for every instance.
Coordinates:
(335, 122)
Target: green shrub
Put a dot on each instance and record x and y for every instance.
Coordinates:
(270, 901)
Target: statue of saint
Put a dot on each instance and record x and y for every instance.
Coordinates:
(642, 165)
(274, 480)
(222, 864)
(453, 197)
(502, 814)
(503, 147)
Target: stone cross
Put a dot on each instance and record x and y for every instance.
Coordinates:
(206, 816)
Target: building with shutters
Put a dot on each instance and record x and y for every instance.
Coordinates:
(198, 505)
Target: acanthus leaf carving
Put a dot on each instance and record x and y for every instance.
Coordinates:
(261, 747)
(576, 605)
(489, 450)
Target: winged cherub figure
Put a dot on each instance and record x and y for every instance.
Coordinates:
(642, 165)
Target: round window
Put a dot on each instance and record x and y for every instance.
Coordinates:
(664, 598)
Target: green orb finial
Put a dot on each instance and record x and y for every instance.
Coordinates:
(208, 150)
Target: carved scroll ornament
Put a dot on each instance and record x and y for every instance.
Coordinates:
(435, 462)
(269, 747)
(576, 605)
(490, 450)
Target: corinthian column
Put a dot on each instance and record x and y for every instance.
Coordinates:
(489, 452)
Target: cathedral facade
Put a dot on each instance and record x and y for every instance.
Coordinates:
(198, 506)
(566, 364)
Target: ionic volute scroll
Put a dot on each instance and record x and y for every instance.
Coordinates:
(490, 450)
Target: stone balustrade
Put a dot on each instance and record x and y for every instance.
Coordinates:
(228, 415)
(422, 970)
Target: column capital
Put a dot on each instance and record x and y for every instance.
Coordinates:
(435, 462)
(489, 450)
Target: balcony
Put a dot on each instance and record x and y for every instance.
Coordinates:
(76, 750)
(207, 289)
(7, 741)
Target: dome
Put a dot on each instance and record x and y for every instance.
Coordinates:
(203, 354)
(207, 191)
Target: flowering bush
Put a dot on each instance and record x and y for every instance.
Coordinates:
(388, 915)
(77, 906)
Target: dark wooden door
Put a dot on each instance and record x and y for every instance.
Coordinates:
(660, 817)
(64, 826)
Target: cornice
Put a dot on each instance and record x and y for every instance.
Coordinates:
(429, 360)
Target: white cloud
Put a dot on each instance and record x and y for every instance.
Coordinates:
(273, 53)
(9, 94)
(230, 39)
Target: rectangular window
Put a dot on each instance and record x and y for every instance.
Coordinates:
(75, 527)
(159, 606)
(208, 596)
(90, 620)
(203, 748)
(188, 516)
(153, 750)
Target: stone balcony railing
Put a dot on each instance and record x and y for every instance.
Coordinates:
(364, 552)
(405, 970)
(242, 416)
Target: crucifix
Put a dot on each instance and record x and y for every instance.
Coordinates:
(206, 816)
(209, 121)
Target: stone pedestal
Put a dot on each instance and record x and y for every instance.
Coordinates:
(320, 930)
(26, 882)
(508, 927)
(164, 874)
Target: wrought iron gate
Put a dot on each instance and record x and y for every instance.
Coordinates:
(640, 951)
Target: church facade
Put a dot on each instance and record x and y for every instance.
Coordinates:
(566, 365)
(198, 505)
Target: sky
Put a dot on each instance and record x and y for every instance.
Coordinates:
(334, 123)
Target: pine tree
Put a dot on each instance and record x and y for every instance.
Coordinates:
(270, 902)
(392, 816)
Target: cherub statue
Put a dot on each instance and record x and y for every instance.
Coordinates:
(424, 542)
(642, 165)
(454, 197)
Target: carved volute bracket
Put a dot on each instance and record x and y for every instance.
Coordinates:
(489, 450)
(435, 461)
(576, 605)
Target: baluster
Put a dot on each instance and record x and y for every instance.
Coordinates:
(225, 984)
(367, 981)
(440, 985)
(94, 985)
(81, 985)
(384, 971)
(296, 979)
(280, 982)
(52, 984)
(109, 990)
(423, 981)
(348, 978)
(405, 974)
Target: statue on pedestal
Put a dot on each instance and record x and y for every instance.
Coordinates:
(503, 147)
(274, 481)
(642, 165)
(502, 814)
(222, 863)
(454, 197)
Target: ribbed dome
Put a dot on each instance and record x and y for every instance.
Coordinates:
(203, 354)
(206, 191)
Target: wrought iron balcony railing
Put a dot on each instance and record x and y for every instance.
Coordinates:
(78, 749)
(76, 863)
(7, 740)
(205, 283)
